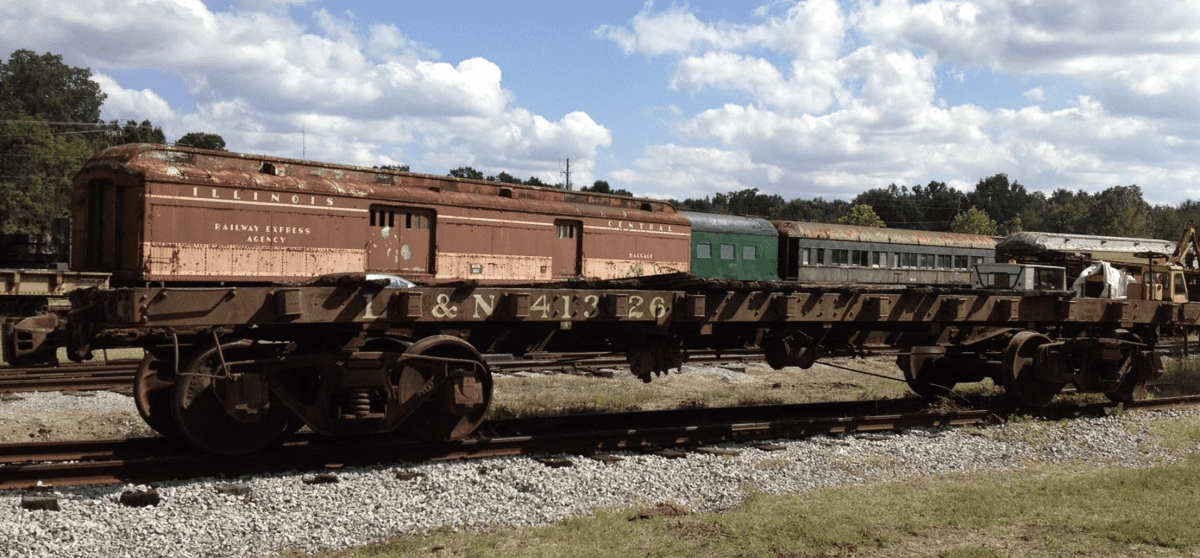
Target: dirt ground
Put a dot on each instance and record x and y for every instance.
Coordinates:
(33, 417)
(44, 417)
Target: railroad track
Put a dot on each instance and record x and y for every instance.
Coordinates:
(145, 460)
(118, 375)
(114, 375)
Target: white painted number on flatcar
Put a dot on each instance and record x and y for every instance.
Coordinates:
(541, 305)
(592, 303)
(635, 307)
(658, 307)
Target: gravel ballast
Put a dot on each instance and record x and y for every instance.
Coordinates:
(270, 514)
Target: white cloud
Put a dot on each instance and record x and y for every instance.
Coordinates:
(127, 104)
(812, 29)
(333, 90)
(519, 142)
(859, 103)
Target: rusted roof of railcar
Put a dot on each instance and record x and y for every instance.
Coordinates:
(732, 224)
(857, 233)
(1023, 243)
(189, 165)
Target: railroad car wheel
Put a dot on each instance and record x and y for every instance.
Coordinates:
(152, 394)
(460, 404)
(1131, 388)
(1135, 372)
(229, 412)
(926, 371)
(1018, 372)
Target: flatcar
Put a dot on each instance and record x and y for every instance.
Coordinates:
(175, 215)
(33, 272)
(207, 252)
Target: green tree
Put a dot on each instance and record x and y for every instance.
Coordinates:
(202, 140)
(507, 178)
(466, 172)
(930, 208)
(1066, 212)
(816, 210)
(1120, 211)
(131, 132)
(975, 221)
(602, 187)
(863, 215)
(35, 174)
(1002, 201)
(51, 115)
(45, 88)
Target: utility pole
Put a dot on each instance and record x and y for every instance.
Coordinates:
(568, 173)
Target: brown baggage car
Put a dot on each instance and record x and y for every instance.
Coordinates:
(155, 213)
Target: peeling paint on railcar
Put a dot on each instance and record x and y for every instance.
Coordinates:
(219, 216)
(855, 233)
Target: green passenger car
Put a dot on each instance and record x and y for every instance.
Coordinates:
(733, 247)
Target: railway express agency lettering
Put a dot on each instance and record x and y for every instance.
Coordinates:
(263, 234)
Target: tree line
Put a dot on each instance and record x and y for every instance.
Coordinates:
(50, 125)
(997, 206)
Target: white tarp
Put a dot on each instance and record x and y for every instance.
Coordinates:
(1116, 281)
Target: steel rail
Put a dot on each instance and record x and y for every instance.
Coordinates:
(156, 459)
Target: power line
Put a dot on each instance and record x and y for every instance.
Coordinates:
(113, 123)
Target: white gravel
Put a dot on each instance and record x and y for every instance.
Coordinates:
(282, 512)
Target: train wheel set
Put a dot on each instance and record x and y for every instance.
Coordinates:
(234, 369)
(240, 396)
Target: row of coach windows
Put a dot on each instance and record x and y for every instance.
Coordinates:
(704, 251)
(869, 258)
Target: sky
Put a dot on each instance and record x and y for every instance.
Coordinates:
(804, 99)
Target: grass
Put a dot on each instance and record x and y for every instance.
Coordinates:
(1038, 512)
(759, 384)
(1180, 377)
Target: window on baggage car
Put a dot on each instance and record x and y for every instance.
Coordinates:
(749, 252)
(727, 252)
(383, 218)
(704, 251)
(416, 221)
